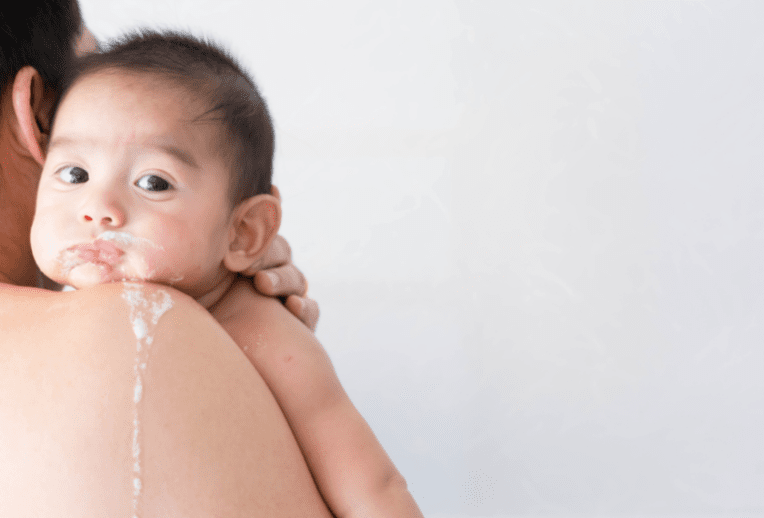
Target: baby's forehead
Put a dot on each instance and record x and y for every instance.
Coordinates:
(161, 94)
(169, 87)
(139, 107)
(187, 107)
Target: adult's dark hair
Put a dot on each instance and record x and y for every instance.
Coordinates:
(207, 71)
(41, 34)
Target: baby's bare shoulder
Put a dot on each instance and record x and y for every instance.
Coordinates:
(287, 354)
(244, 312)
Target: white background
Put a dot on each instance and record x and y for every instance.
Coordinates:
(535, 231)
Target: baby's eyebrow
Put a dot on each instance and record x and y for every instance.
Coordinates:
(174, 151)
(67, 141)
(157, 145)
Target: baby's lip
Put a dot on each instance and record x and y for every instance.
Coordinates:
(99, 251)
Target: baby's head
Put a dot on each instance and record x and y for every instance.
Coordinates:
(158, 169)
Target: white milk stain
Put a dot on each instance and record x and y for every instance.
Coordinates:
(145, 312)
(126, 238)
(258, 343)
(129, 240)
(68, 262)
(70, 259)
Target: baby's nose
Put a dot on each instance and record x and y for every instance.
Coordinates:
(105, 220)
(105, 212)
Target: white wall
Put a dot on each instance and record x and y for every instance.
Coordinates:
(535, 231)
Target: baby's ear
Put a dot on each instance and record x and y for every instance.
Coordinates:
(254, 225)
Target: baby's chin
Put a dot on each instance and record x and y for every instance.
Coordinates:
(86, 275)
(89, 274)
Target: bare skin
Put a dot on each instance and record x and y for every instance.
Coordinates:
(349, 465)
(214, 442)
(278, 278)
(96, 182)
(67, 366)
(274, 275)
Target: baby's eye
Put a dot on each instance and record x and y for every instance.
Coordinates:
(152, 182)
(73, 174)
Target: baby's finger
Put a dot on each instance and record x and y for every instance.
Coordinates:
(281, 282)
(305, 309)
(278, 254)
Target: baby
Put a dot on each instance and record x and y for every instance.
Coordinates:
(159, 169)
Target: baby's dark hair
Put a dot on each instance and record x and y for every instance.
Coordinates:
(203, 69)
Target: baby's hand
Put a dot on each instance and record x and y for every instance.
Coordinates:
(276, 276)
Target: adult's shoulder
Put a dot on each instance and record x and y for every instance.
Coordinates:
(105, 310)
(211, 438)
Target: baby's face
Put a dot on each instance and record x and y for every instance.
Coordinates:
(132, 189)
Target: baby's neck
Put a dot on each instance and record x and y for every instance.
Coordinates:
(215, 295)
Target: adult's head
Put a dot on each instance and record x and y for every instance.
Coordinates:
(40, 34)
(38, 41)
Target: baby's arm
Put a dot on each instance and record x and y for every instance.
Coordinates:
(352, 470)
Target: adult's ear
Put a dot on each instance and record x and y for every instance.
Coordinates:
(254, 225)
(32, 105)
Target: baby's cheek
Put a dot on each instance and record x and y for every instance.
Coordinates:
(38, 244)
(162, 266)
(45, 252)
(151, 264)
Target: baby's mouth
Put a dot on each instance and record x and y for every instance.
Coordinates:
(113, 253)
(98, 252)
